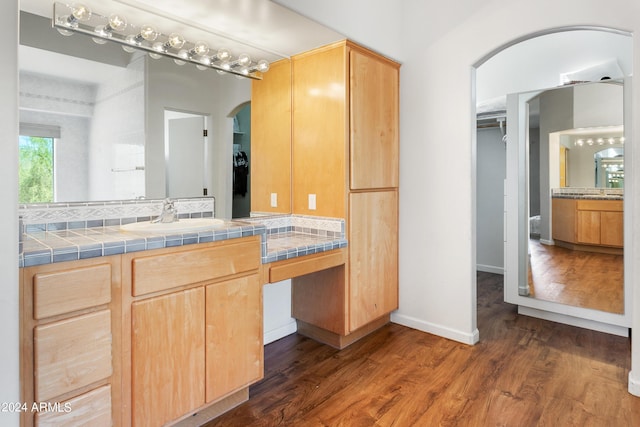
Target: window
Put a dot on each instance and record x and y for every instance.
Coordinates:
(35, 173)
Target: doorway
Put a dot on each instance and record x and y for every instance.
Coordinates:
(504, 74)
(241, 207)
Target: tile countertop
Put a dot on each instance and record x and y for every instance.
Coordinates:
(588, 196)
(45, 247)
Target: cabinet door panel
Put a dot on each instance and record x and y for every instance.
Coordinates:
(374, 122)
(234, 349)
(588, 228)
(612, 228)
(167, 356)
(320, 132)
(373, 254)
(271, 139)
(71, 354)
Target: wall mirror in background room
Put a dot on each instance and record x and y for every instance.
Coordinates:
(536, 72)
(105, 107)
(575, 139)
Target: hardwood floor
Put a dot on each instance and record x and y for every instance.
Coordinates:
(523, 372)
(578, 278)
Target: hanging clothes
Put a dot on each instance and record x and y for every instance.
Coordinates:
(240, 173)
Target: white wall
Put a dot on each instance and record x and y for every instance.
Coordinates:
(439, 44)
(9, 351)
(491, 172)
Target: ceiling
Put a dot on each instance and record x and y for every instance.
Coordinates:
(261, 28)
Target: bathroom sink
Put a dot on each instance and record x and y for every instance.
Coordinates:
(182, 226)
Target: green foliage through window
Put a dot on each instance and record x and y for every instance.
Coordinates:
(35, 170)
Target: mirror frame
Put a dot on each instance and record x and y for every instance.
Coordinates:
(517, 229)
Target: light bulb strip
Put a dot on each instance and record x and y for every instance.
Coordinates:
(130, 38)
(599, 141)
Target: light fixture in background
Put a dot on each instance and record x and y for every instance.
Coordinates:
(599, 141)
(77, 18)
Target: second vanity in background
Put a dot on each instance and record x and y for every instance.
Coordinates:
(589, 222)
(335, 110)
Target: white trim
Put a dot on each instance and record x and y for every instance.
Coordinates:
(634, 384)
(439, 330)
(574, 321)
(490, 269)
(281, 332)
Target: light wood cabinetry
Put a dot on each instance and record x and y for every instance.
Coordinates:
(271, 139)
(593, 224)
(167, 356)
(195, 322)
(345, 155)
(70, 317)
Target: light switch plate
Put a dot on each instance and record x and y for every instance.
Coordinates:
(274, 200)
(312, 202)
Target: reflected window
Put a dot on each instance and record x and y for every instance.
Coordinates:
(35, 173)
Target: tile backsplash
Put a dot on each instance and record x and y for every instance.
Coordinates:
(65, 216)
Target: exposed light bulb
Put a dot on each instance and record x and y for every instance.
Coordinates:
(117, 22)
(201, 67)
(590, 141)
(600, 141)
(244, 59)
(64, 32)
(611, 141)
(184, 56)
(200, 48)
(80, 12)
(148, 33)
(263, 66)
(622, 139)
(223, 55)
(175, 41)
(579, 142)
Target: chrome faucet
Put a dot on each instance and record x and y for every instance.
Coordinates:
(168, 214)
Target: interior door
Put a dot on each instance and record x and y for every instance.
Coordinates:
(185, 157)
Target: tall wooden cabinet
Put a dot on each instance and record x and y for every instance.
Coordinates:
(271, 140)
(345, 165)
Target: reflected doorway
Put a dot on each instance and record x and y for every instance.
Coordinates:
(241, 207)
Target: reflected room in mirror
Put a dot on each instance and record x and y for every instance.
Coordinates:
(576, 180)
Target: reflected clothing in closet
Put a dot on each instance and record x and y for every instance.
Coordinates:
(240, 173)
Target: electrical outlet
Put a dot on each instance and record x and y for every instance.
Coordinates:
(312, 202)
(274, 200)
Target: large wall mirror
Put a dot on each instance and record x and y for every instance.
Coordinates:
(565, 192)
(575, 139)
(121, 125)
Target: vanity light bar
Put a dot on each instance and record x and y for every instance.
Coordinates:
(77, 18)
(599, 141)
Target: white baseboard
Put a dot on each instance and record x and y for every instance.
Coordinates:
(490, 269)
(634, 384)
(547, 242)
(281, 332)
(574, 321)
(431, 328)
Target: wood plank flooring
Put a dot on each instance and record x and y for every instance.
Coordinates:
(523, 372)
(578, 278)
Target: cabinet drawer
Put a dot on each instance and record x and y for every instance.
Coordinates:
(89, 409)
(66, 291)
(165, 271)
(295, 267)
(599, 205)
(71, 354)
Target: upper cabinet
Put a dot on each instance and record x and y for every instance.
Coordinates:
(345, 126)
(271, 140)
(374, 123)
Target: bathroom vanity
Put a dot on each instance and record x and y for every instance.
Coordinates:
(588, 222)
(128, 326)
(153, 336)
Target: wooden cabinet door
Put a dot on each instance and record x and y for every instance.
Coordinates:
(271, 139)
(320, 131)
(374, 141)
(612, 229)
(234, 337)
(588, 228)
(373, 256)
(167, 356)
